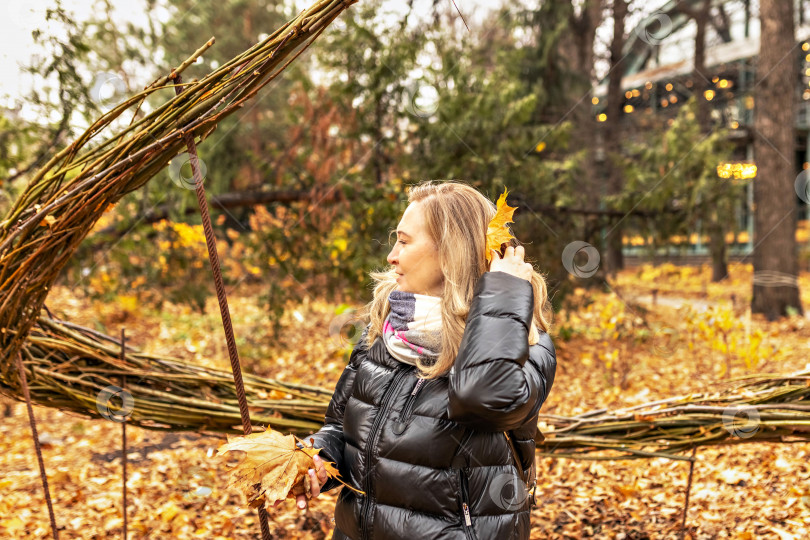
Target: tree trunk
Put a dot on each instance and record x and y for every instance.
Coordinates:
(614, 261)
(581, 40)
(775, 287)
(702, 80)
(717, 248)
(715, 222)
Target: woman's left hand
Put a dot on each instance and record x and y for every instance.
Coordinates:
(317, 478)
(512, 263)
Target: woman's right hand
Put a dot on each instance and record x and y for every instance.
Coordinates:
(511, 263)
(317, 478)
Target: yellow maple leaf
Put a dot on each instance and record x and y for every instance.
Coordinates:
(497, 231)
(272, 466)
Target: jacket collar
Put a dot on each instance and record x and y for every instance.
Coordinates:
(379, 354)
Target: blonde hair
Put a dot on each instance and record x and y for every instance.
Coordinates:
(456, 219)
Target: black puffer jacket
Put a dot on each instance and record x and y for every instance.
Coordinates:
(431, 455)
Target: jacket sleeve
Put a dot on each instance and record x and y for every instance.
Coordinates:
(493, 386)
(330, 437)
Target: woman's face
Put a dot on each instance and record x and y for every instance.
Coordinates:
(414, 255)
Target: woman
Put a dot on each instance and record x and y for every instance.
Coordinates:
(435, 416)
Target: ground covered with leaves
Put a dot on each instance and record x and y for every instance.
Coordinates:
(655, 332)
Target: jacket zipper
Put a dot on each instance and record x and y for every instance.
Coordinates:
(419, 383)
(402, 421)
(465, 507)
(375, 428)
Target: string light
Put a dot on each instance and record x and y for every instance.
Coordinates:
(595, 100)
(709, 94)
(737, 170)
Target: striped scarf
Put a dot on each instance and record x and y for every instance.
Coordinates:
(413, 327)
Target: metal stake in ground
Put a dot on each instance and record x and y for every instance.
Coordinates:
(33, 422)
(213, 259)
(688, 489)
(124, 439)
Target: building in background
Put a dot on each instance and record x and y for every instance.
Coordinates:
(658, 80)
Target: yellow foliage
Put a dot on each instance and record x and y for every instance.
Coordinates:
(651, 273)
(272, 467)
(497, 231)
(338, 239)
(340, 244)
(189, 235)
(127, 302)
(725, 333)
(168, 511)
